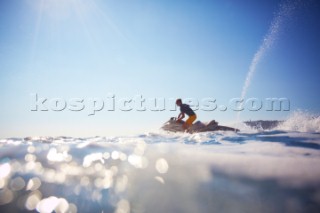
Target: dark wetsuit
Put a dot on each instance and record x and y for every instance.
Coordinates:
(185, 108)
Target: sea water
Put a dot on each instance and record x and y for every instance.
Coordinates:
(254, 170)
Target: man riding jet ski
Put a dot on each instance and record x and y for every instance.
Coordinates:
(178, 125)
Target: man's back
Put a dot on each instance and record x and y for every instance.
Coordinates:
(185, 108)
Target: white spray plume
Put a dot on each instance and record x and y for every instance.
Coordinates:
(285, 12)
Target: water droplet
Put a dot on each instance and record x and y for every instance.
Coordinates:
(89, 159)
(47, 204)
(123, 157)
(85, 181)
(162, 166)
(115, 155)
(123, 206)
(160, 179)
(6, 196)
(62, 206)
(33, 200)
(121, 183)
(2, 183)
(5, 170)
(106, 155)
(31, 149)
(72, 208)
(17, 184)
(30, 157)
(33, 184)
(138, 161)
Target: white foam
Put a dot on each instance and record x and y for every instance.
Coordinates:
(301, 121)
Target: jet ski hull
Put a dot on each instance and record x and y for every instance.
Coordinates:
(173, 126)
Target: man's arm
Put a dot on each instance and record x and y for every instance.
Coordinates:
(180, 117)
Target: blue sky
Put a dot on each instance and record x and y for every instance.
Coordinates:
(190, 49)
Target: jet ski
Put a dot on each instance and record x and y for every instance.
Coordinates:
(173, 126)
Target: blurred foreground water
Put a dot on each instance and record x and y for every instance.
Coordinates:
(267, 171)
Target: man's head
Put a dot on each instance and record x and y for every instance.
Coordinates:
(178, 102)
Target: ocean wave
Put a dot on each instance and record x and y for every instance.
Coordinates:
(301, 121)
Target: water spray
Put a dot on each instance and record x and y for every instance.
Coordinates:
(285, 12)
